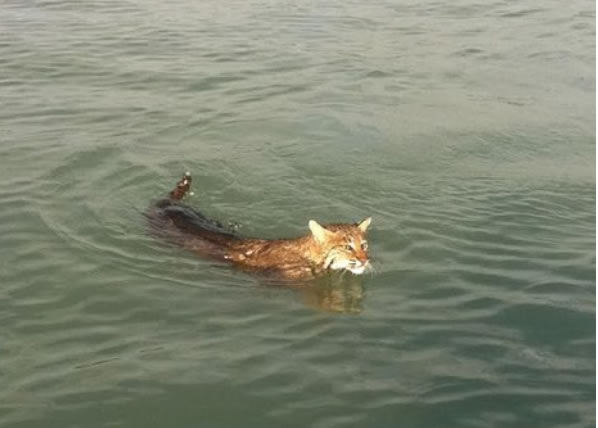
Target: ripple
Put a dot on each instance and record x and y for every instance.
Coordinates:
(481, 311)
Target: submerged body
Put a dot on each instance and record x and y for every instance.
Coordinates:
(332, 247)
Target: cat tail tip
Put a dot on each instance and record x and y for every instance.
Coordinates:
(182, 187)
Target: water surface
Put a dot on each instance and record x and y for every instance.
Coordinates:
(466, 129)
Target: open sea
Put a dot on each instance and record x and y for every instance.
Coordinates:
(465, 128)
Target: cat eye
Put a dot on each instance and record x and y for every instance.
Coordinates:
(364, 245)
(350, 245)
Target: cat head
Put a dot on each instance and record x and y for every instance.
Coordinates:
(344, 246)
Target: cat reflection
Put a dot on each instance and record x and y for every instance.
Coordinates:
(336, 293)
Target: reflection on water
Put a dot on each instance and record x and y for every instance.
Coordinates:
(336, 293)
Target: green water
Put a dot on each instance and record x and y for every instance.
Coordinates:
(465, 129)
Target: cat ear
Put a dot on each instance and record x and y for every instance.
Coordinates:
(364, 224)
(319, 232)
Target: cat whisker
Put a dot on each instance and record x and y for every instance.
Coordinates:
(369, 268)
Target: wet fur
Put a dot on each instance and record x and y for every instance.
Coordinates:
(326, 248)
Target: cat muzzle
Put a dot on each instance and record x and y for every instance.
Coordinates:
(357, 268)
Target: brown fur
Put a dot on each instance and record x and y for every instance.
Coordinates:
(329, 247)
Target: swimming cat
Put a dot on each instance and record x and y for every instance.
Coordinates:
(330, 247)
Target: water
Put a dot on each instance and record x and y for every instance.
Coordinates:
(466, 129)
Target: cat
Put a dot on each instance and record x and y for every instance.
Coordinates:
(327, 248)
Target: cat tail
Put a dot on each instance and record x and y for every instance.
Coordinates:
(181, 188)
